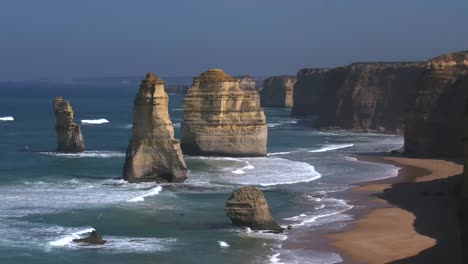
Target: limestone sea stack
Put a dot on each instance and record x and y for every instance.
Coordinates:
(222, 119)
(248, 207)
(434, 122)
(248, 85)
(153, 154)
(368, 97)
(69, 137)
(278, 91)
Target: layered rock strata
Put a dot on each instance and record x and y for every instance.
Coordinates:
(69, 137)
(248, 85)
(434, 122)
(369, 97)
(248, 207)
(220, 118)
(153, 154)
(278, 91)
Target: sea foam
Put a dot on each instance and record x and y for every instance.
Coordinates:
(88, 154)
(331, 147)
(7, 118)
(152, 192)
(94, 121)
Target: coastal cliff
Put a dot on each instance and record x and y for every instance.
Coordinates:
(248, 85)
(69, 137)
(434, 122)
(153, 154)
(278, 91)
(220, 118)
(370, 97)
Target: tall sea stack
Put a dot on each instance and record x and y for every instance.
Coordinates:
(434, 122)
(153, 154)
(222, 119)
(370, 97)
(69, 137)
(278, 91)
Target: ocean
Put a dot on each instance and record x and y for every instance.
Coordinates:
(48, 199)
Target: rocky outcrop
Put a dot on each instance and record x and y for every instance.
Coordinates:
(153, 154)
(278, 91)
(464, 195)
(434, 122)
(369, 97)
(94, 238)
(69, 137)
(247, 207)
(248, 85)
(220, 118)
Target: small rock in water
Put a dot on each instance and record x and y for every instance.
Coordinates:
(94, 238)
(289, 227)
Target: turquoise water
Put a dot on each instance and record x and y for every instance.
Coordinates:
(49, 198)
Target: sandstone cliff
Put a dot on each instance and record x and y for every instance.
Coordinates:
(361, 96)
(248, 85)
(69, 137)
(434, 122)
(247, 207)
(222, 119)
(153, 154)
(278, 91)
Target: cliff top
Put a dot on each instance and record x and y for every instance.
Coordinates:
(214, 75)
(151, 78)
(454, 59)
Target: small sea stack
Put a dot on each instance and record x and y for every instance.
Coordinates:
(221, 119)
(94, 238)
(278, 91)
(153, 154)
(69, 137)
(248, 207)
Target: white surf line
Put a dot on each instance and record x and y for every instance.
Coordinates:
(94, 121)
(331, 147)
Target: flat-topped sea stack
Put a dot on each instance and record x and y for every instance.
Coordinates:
(434, 122)
(248, 207)
(278, 92)
(69, 137)
(222, 119)
(368, 97)
(153, 154)
(248, 85)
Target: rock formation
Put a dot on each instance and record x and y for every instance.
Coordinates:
(94, 238)
(248, 85)
(222, 119)
(69, 137)
(153, 154)
(247, 207)
(464, 195)
(278, 91)
(434, 120)
(362, 96)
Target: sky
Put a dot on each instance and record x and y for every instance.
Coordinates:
(91, 38)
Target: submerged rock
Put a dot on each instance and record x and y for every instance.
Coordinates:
(278, 91)
(69, 137)
(94, 238)
(247, 207)
(220, 118)
(434, 122)
(153, 154)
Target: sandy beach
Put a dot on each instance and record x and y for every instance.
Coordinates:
(415, 219)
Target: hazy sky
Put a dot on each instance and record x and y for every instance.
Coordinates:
(63, 39)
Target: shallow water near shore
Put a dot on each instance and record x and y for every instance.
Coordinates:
(48, 199)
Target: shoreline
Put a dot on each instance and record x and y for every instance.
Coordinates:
(405, 218)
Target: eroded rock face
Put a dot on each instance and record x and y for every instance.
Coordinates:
(248, 85)
(370, 97)
(464, 196)
(278, 91)
(222, 119)
(153, 154)
(94, 238)
(69, 137)
(434, 122)
(247, 207)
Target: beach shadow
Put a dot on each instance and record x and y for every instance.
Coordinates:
(436, 207)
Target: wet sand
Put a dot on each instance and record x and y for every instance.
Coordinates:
(414, 216)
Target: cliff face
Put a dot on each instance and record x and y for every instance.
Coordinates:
(361, 96)
(278, 91)
(248, 85)
(220, 118)
(153, 154)
(433, 125)
(69, 137)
